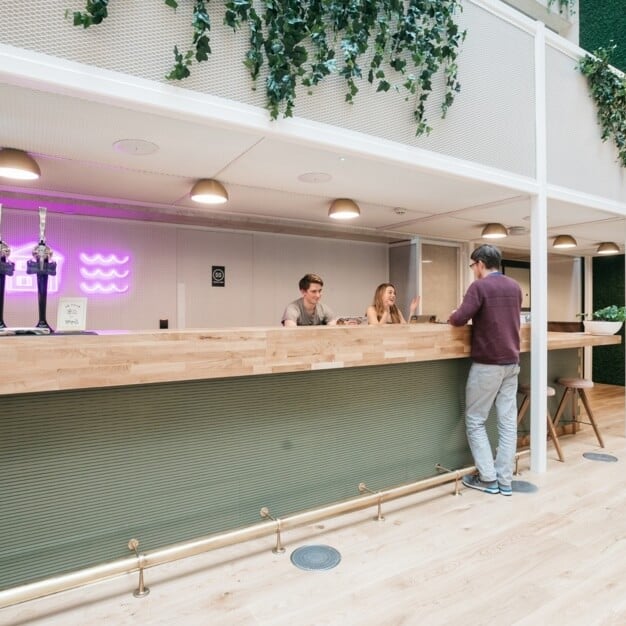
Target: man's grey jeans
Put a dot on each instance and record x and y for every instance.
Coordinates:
(487, 384)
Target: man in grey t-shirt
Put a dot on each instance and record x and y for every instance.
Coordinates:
(308, 310)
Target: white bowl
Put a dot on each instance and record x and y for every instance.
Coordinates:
(597, 327)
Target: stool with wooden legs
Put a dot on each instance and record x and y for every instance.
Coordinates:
(525, 389)
(574, 387)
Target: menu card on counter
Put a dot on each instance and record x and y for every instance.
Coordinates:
(72, 314)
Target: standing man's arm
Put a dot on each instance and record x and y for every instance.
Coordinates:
(469, 307)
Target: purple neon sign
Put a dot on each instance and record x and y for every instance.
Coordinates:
(103, 273)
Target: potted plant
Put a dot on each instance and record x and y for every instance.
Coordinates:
(606, 321)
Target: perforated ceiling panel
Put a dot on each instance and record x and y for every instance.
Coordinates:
(577, 157)
(492, 121)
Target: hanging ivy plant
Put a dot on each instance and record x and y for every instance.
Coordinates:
(201, 47)
(301, 42)
(608, 90)
(565, 6)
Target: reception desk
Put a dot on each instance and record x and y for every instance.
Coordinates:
(171, 435)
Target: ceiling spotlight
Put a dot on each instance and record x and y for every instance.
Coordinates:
(344, 209)
(209, 191)
(608, 247)
(564, 241)
(18, 164)
(135, 147)
(494, 231)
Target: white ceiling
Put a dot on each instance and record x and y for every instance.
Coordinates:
(72, 140)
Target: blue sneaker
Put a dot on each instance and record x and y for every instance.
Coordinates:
(505, 490)
(474, 482)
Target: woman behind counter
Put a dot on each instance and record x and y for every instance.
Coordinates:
(384, 309)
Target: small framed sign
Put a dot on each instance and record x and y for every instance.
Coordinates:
(218, 276)
(72, 314)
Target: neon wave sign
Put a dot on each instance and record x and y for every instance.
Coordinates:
(103, 274)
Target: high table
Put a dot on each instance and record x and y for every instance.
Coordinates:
(171, 435)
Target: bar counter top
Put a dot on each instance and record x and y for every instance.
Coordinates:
(47, 363)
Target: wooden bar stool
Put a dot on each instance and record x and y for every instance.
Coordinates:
(525, 389)
(574, 386)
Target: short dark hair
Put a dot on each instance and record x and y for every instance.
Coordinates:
(489, 255)
(307, 279)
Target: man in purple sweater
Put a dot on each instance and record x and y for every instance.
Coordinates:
(493, 302)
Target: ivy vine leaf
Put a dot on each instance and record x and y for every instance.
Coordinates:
(181, 65)
(172, 3)
(95, 12)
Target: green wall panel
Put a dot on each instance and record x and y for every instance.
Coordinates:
(561, 363)
(602, 23)
(84, 471)
(608, 288)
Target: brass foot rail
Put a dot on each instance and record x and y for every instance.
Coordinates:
(265, 514)
(141, 590)
(457, 476)
(160, 556)
(363, 488)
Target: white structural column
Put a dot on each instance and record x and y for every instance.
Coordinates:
(587, 309)
(539, 270)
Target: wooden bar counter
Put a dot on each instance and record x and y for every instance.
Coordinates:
(172, 435)
(49, 363)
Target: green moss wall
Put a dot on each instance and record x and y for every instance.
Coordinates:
(601, 23)
(608, 288)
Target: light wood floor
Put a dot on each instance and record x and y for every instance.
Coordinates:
(557, 556)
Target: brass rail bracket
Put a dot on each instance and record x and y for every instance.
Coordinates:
(142, 590)
(363, 488)
(265, 514)
(457, 478)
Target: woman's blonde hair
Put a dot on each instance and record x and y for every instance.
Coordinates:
(380, 307)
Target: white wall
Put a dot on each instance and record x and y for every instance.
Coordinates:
(170, 272)
(564, 289)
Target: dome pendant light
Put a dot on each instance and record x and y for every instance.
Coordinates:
(608, 247)
(18, 165)
(344, 209)
(564, 241)
(209, 191)
(494, 231)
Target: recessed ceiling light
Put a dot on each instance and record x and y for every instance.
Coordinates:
(135, 147)
(315, 177)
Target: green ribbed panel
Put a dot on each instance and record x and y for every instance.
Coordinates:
(84, 471)
(561, 363)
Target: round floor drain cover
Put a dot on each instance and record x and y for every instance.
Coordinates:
(315, 557)
(523, 486)
(600, 456)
